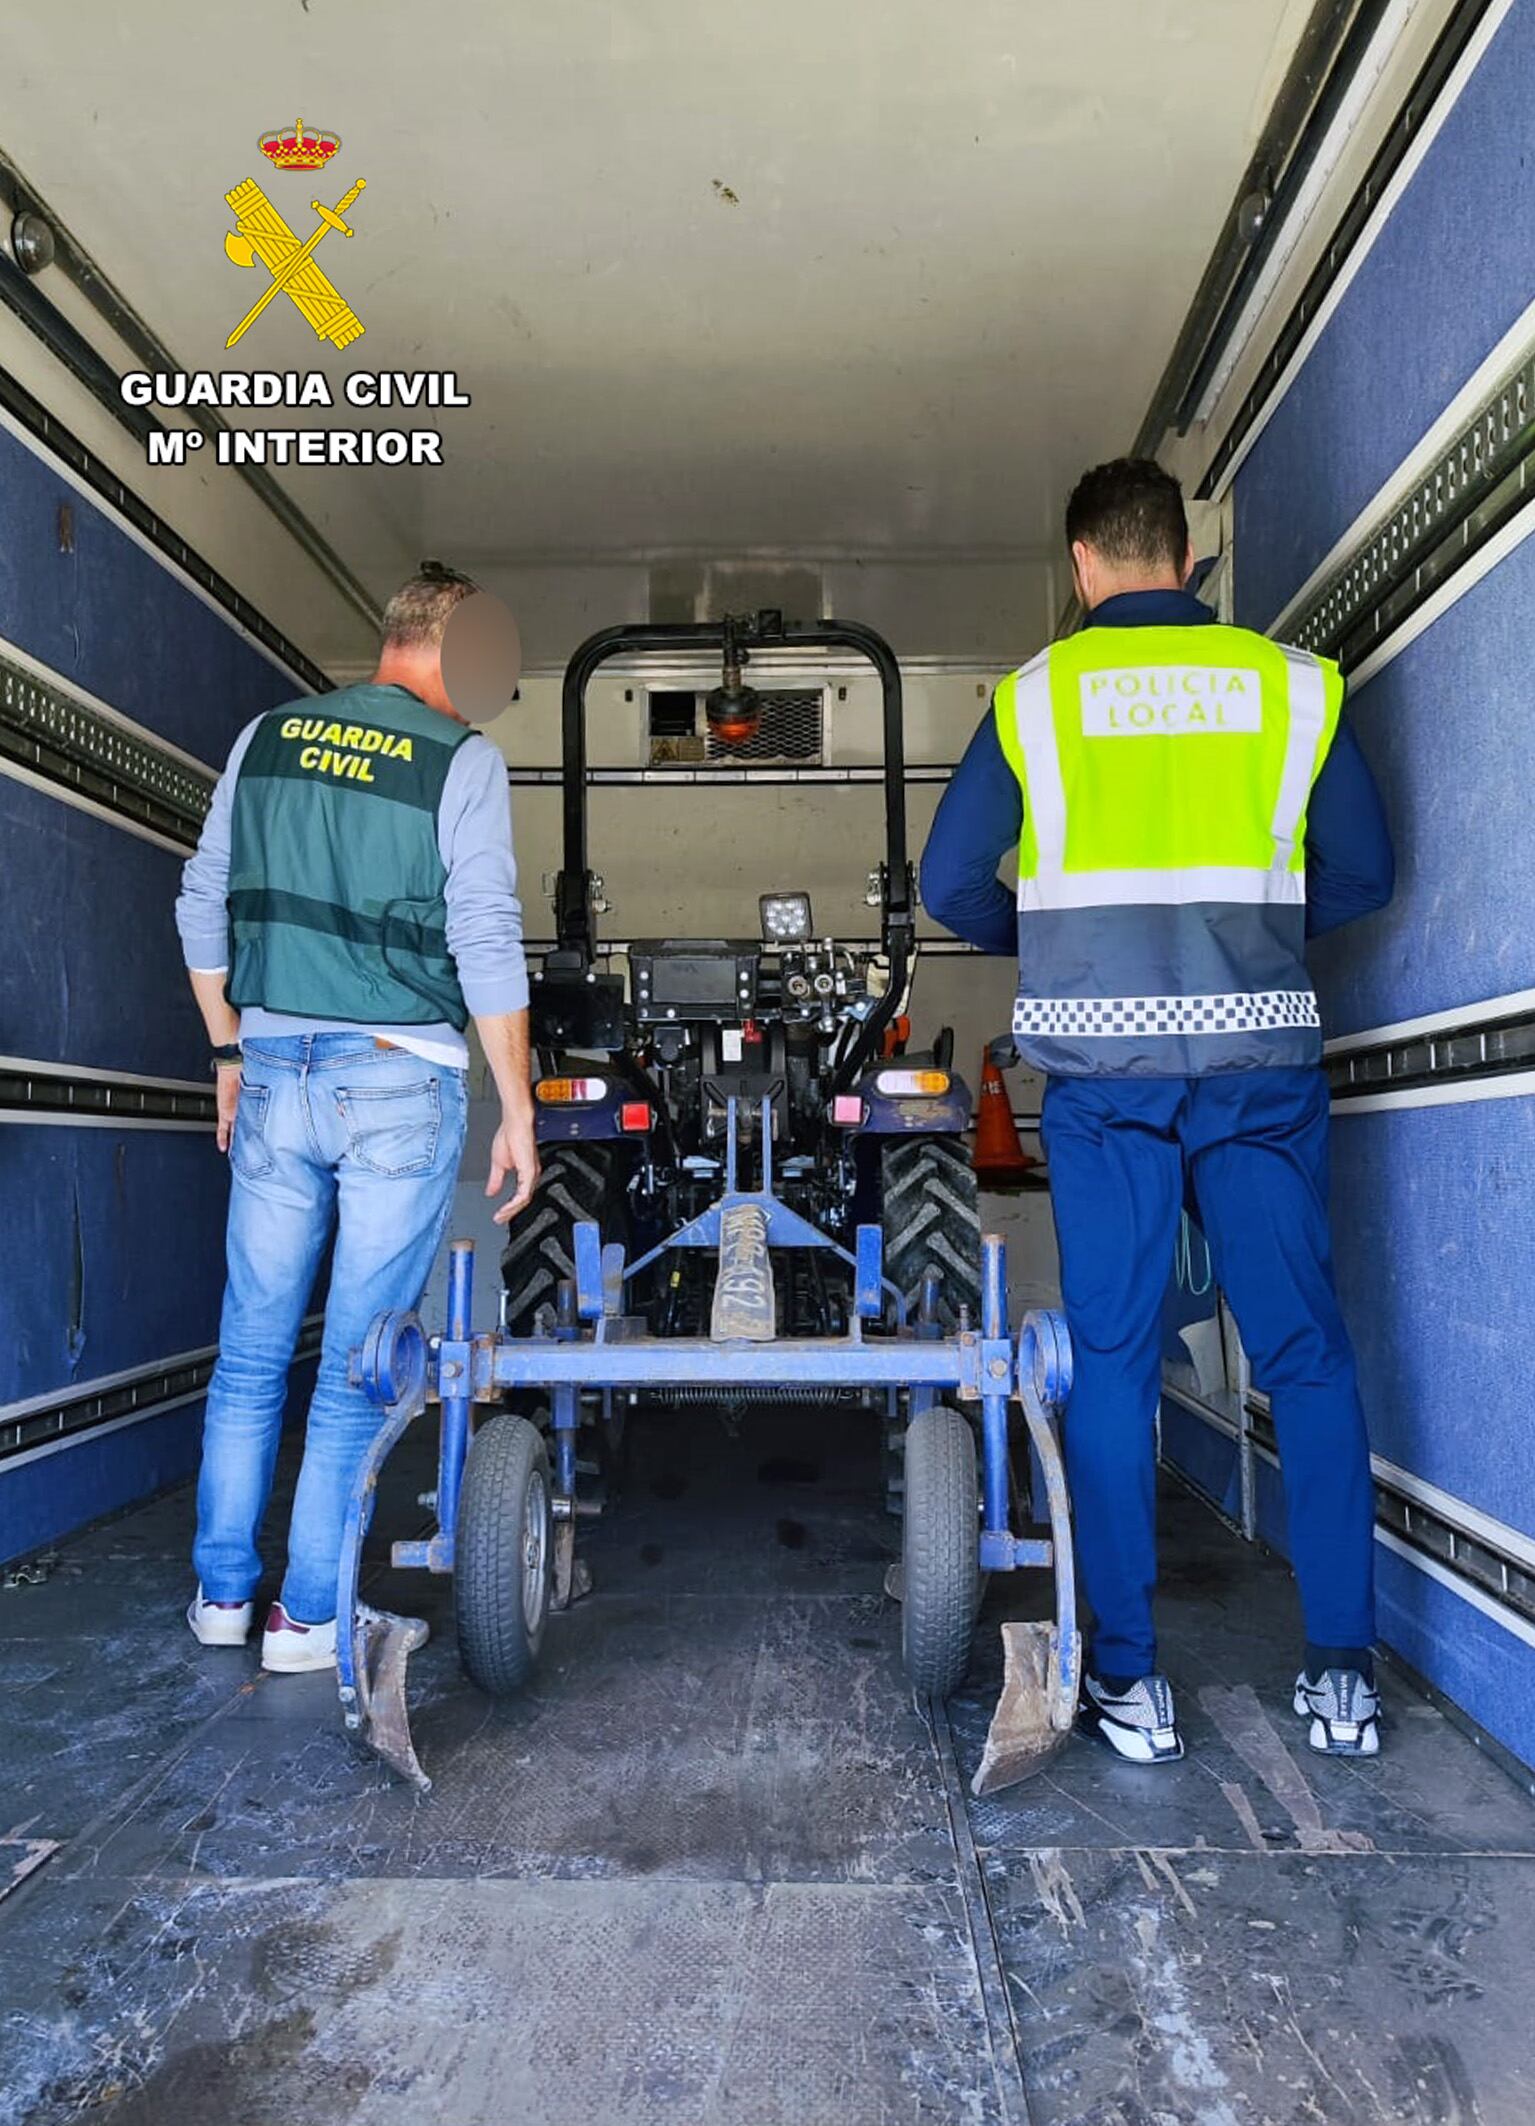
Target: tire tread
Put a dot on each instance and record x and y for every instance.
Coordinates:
(498, 1652)
(932, 1220)
(940, 1551)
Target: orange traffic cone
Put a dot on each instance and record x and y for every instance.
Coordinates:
(1000, 1159)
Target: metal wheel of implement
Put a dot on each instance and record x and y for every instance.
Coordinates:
(939, 1551)
(931, 1214)
(505, 1549)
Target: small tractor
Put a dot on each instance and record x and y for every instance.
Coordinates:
(752, 1190)
(634, 1090)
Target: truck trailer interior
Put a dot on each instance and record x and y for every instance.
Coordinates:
(749, 357)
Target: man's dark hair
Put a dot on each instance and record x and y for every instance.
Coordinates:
(418, 612)
(1131, 512)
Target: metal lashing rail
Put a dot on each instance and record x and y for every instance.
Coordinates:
(1492, 1561)
(58, 1092)
(60, 740)
(142, 1392)
(1450, 1055)
(1476, 485)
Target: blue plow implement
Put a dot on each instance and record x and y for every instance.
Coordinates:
(594, 1350)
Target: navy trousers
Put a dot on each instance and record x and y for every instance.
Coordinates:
(1254, 1145)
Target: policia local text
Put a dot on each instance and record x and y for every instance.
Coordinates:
(294, 446)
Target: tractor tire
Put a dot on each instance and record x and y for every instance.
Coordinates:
(580, 1182)
(940, 1539)
(504, 1554)
(931, 1214)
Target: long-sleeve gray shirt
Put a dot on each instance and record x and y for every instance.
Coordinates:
(484, 915)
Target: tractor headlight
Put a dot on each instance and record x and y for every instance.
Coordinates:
(785, 918)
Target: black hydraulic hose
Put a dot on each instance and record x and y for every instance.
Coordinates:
(866, 1046)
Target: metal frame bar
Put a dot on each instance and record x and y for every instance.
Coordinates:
(785, 1228)
(574, 912)
(687, 774)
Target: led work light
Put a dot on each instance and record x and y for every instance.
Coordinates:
(785, 918)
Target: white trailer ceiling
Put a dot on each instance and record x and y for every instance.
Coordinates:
(868, 280)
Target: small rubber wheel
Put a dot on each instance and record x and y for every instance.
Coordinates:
(504, 1554)
(940, 1537)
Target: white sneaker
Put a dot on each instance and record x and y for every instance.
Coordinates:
(288, 1648)
(1342, 1712)
(1138, 1724)
(219, 1623)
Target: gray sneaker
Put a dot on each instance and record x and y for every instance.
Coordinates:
(1344, 1712)
(1138, 1724)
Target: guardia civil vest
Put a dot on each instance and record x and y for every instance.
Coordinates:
(336, 881)
(1162, 869)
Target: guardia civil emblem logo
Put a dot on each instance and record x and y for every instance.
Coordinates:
(262, 234)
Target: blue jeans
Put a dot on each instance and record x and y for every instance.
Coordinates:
(1254, 1144)
(336, 1133)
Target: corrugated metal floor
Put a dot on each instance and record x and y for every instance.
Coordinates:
(716, 1868)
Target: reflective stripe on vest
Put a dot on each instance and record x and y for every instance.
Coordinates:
(1166, 773)
(1237, 1011)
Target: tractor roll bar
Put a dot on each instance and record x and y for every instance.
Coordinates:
(574, 918)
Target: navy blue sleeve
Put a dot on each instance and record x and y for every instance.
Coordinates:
(1350, 870)
(979, 818)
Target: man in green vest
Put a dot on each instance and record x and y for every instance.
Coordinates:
(352, 904)
(1187, 808)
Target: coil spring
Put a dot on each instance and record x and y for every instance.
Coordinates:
(752, 1394)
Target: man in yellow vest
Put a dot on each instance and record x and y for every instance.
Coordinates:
(1187, 808)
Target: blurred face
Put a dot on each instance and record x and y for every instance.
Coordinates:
(481, 658)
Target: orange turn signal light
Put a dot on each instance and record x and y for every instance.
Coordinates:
(902, 1084)
(569, 1092)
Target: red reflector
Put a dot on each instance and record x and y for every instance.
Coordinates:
(634, 1115)
(847, 1110)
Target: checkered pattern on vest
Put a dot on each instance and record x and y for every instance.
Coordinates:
(1238, 1013)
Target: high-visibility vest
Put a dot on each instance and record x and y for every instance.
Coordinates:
(1166, 773)
(337, 904)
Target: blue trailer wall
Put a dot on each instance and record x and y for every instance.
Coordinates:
(111, 1237)
(1450, 273)
(1435, 1233)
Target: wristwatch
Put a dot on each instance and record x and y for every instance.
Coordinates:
(230, 1056)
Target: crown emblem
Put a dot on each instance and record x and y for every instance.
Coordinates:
(301, 149)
